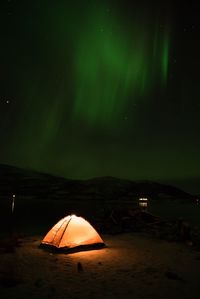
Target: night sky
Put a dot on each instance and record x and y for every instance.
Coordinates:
(101, 88)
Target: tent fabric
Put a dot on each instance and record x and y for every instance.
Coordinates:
(70, 232)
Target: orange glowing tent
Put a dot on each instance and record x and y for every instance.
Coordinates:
(73, 233)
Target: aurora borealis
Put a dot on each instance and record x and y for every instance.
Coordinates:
(101, 88)
(113, 67)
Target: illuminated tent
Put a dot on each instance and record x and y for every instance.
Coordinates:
(73, 233)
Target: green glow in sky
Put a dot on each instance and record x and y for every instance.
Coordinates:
(96, 91)
(115, 65)
(165, 58)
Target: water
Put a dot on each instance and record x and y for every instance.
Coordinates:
(173, 211)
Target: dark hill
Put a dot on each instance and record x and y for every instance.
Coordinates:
(28, 183)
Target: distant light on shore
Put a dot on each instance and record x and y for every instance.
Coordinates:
(143, 203)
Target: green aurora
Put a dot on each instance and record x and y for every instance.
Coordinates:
(115, 65)
(92, 94)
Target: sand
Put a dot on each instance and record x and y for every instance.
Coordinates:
(132, 266)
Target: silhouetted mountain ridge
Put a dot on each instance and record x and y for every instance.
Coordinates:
(23, 182)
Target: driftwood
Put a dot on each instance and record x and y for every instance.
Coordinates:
(121, 220)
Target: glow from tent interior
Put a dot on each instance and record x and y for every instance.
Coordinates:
(72, 231)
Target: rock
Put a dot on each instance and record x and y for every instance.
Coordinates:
(173, 276)
(79, 267)
(39, 283)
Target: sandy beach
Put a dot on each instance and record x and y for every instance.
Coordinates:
(131, 266)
